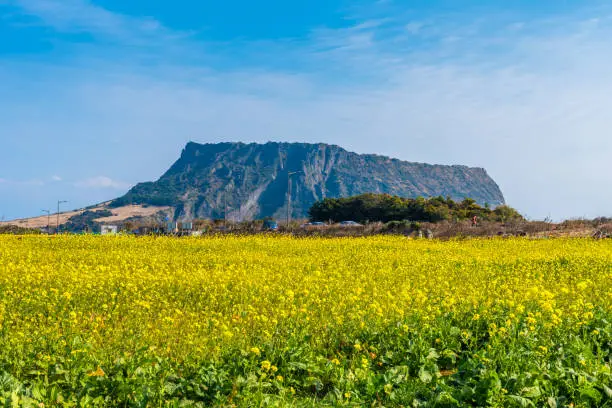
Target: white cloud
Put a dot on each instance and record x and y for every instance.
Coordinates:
(84, 16)
(56, 178)
(101, 182)
(358, 37)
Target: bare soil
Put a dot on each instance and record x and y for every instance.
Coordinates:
(119, 214)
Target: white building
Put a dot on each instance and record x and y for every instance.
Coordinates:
(108, 229)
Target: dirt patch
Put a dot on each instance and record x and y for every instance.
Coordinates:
(129, 211)
(40, 222)
(119, 214)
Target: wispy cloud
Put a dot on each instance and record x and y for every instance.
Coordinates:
(56, 178)
(82, 16)
(101, 182)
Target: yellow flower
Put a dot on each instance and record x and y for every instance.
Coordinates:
(98, 373)
(189, 300)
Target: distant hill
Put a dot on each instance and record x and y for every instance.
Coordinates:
(252, 180)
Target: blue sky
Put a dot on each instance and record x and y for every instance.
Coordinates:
(96, 96)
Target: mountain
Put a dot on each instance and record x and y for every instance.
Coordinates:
(251, 180)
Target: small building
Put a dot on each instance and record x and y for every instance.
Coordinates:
(108, 229)
(172, 227)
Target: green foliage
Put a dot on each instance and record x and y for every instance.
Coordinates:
(164, 193)
(436, 367)
(387, 208)
(505, 213)
(85, 221)
(402, 226)
(15, 230)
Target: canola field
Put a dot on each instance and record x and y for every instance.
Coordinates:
(280, 321)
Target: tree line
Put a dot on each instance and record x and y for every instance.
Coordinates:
(385, 208)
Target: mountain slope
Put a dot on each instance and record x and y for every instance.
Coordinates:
(251, 180)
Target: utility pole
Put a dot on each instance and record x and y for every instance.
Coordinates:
(291, 173)
(58, 213)
(48, 212)
(225, 209)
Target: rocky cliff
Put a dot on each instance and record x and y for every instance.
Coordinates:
(251, 180)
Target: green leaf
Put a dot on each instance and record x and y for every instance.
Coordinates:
(433, 354)
(446, 399)
(417, 403)
(552, 402)
(590, 393)
(425, 375)
(37, 394)
(54, 394)
(531, 392)
(608, 391)
(14, 400)
(521, 401)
